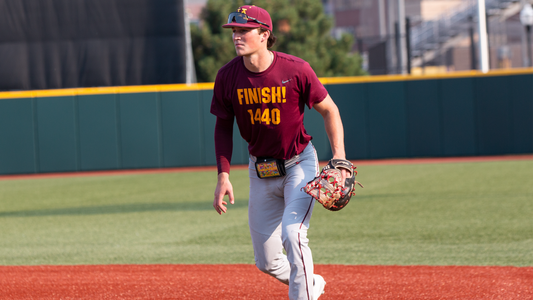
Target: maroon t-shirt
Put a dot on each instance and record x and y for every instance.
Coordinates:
(269, 106)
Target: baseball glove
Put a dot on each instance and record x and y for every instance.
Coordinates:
(327, 189)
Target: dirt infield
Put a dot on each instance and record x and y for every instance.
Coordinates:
(246, 282)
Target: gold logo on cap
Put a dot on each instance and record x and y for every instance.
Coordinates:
(243, 10)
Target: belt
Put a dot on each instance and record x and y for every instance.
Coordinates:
(291, 162)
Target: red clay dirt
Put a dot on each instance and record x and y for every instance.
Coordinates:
(246, 282)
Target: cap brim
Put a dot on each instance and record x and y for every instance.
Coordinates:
(246, 25)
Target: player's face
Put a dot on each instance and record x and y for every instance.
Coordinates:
(247, 41)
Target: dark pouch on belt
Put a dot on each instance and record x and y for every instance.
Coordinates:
(267, 167)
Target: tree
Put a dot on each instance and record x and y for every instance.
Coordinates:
(302, 29)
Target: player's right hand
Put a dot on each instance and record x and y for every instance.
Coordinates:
(223, 188)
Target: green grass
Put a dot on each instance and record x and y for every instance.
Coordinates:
(431, 214)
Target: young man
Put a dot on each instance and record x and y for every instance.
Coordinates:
(267, 92)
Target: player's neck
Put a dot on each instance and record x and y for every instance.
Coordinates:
(258, 61)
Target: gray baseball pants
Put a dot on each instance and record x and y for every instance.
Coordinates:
(279, 213)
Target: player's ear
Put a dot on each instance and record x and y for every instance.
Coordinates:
(264, 35)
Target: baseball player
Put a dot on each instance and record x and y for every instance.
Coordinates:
(267, 92)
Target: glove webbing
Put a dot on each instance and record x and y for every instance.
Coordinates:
(334, 183)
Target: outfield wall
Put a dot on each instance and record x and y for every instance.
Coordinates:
(458, 114)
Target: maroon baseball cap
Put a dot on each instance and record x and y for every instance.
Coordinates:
(249, 16)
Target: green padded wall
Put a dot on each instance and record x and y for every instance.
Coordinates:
(521, 98)
(98, 132)
(423, 118)
(208, 129)
(181, 124)
(458, 117)
(314, 125)
(17, 138)
(57, 133)
(387, 120)
(443, 116)
(352, 100)
(139, 130)
(493, 115)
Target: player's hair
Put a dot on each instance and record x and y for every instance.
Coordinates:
(271, 38)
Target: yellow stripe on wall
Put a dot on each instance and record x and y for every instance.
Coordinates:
(107, 90)
(458, 74)
(210, 85)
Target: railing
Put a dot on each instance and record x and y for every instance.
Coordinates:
(429, 34)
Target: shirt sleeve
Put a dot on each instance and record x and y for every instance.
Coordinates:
(313, 90)
(221, 105)
(223, 144)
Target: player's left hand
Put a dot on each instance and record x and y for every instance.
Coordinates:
(344, 174)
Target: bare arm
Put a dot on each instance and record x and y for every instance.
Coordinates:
(334, 129)
(333, 123)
